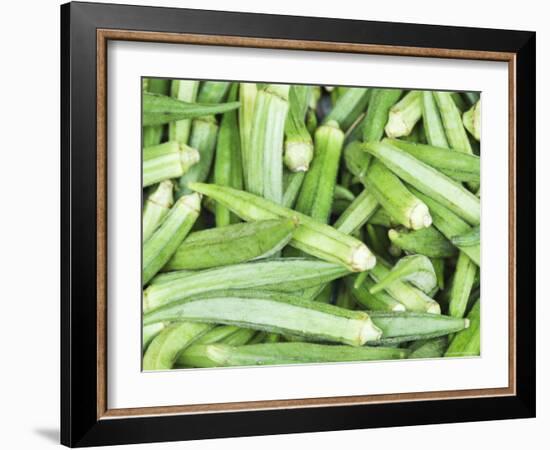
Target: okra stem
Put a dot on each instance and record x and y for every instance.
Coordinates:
(404, 115)
(298, 147)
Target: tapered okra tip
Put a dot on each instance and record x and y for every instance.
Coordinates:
(298, 156)
(362, 259)
(420, 217)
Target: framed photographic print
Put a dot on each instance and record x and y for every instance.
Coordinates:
(277, 224)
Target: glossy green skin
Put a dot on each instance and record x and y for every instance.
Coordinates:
(272, 312)
(426, 241)
(381, 101)
(433, 126)
(411, 326)
(349, 106)
(317, 192)
(292, 182)
(163, 351)
(312, 237)
(463, 281)
(161, 109)
(428, 180)
(456, 165)
(467, 342)
(213, 91)
(283, 274)
(449, 224)
(160, 247)
(232, 244)
(218, 355)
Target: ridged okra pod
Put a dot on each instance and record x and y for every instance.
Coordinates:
(461, 287)
(150, 331)
(292, 182)
(357, 213)
(404, 115)
(411, 326)
(316, 195)
(219, 355)
(428, 180)
(452, 122)
(213, 91)
(312, 237)
(416, 269)
(467, 342)
(433, 126)
(298, 146)
(157, 205)
(283, 274)
(381, 101)
(247, 98)
(228, 164)
(168, 160)
(163, 351)
(395, 198)
(232, 244)
(348, 107)
(161, 109)
(428, 348)
(381, 301)
(158, 249)
(186, 91)
(264, 169)
(272, 312)
(472, 120)
(357, 160)
(456, 165)
(427, 241)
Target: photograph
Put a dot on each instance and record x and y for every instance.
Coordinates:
(307, 224)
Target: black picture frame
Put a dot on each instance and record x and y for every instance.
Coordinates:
(81, 425)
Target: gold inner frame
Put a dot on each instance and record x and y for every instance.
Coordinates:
(103, 36)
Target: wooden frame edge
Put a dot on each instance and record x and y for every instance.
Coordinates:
(103, 36)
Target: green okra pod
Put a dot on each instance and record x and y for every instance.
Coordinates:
(411, 326)
(357, 213)
(168, 160)
(219, 355)
(213, 91)
(247, 97)
(456, 165)
(412, 298)
(416, 269)
(158, 249)
(344, 298)
(241, 337)
(264, 170)
(381, 101)
(357, 161)
(161, 109)
(152, 135)
(450, 225)
(349, 106)
(186, 91)
(272, 312)
(228, 164)
(439, 267)
(433, 126)
(404, 115)
(428, 348)
(343, 193)
(428, 180)
(467, 342)
(452, 122)
(312, 237)
(163, 351)
(395, 198)
(467, 239)
(382, 217)
(283, 274)
(157, 205)
(232, 244)
(150, 331)
(472, 120)
(461, 287)
(427, 241)
(380, 301)
(317, 192)
(292, 182)
(298, 147)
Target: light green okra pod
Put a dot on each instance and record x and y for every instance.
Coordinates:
(428, 348)
(349, 106)
(382, 217)
(298, 147)
(428, 180)
(372, 302)
(357, 161)
(395, 198)
(468, 239)
(232, 244)
(247, 97)
(219, 355)
(452, 122)
(404, 115)
(292, 182)
(427, 241)
(312, 237)
(456, 165)
(357, 213)
(157, 205)
(283, 274)
(463, 281)
(467, 342)
(411, 326)
(152, 135)
(163, 351)
(433, 126)
(168, 160)
(381, 101)
(150, 331)
(272, 312)
(416, 269)
(472, 120)
(158, 249)
(161, 109)
(186, 91)
(316, 195)
(213, 91)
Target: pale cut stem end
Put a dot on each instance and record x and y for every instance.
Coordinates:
(163, 195)
(399, 308)
(298, 156)
(369, 332)
(188, 157)
(420, 217)
(466, 323)
(433, 308)
(397, 126)
(362, 259)
(191, 201)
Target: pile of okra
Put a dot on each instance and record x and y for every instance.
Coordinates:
(302, 224)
